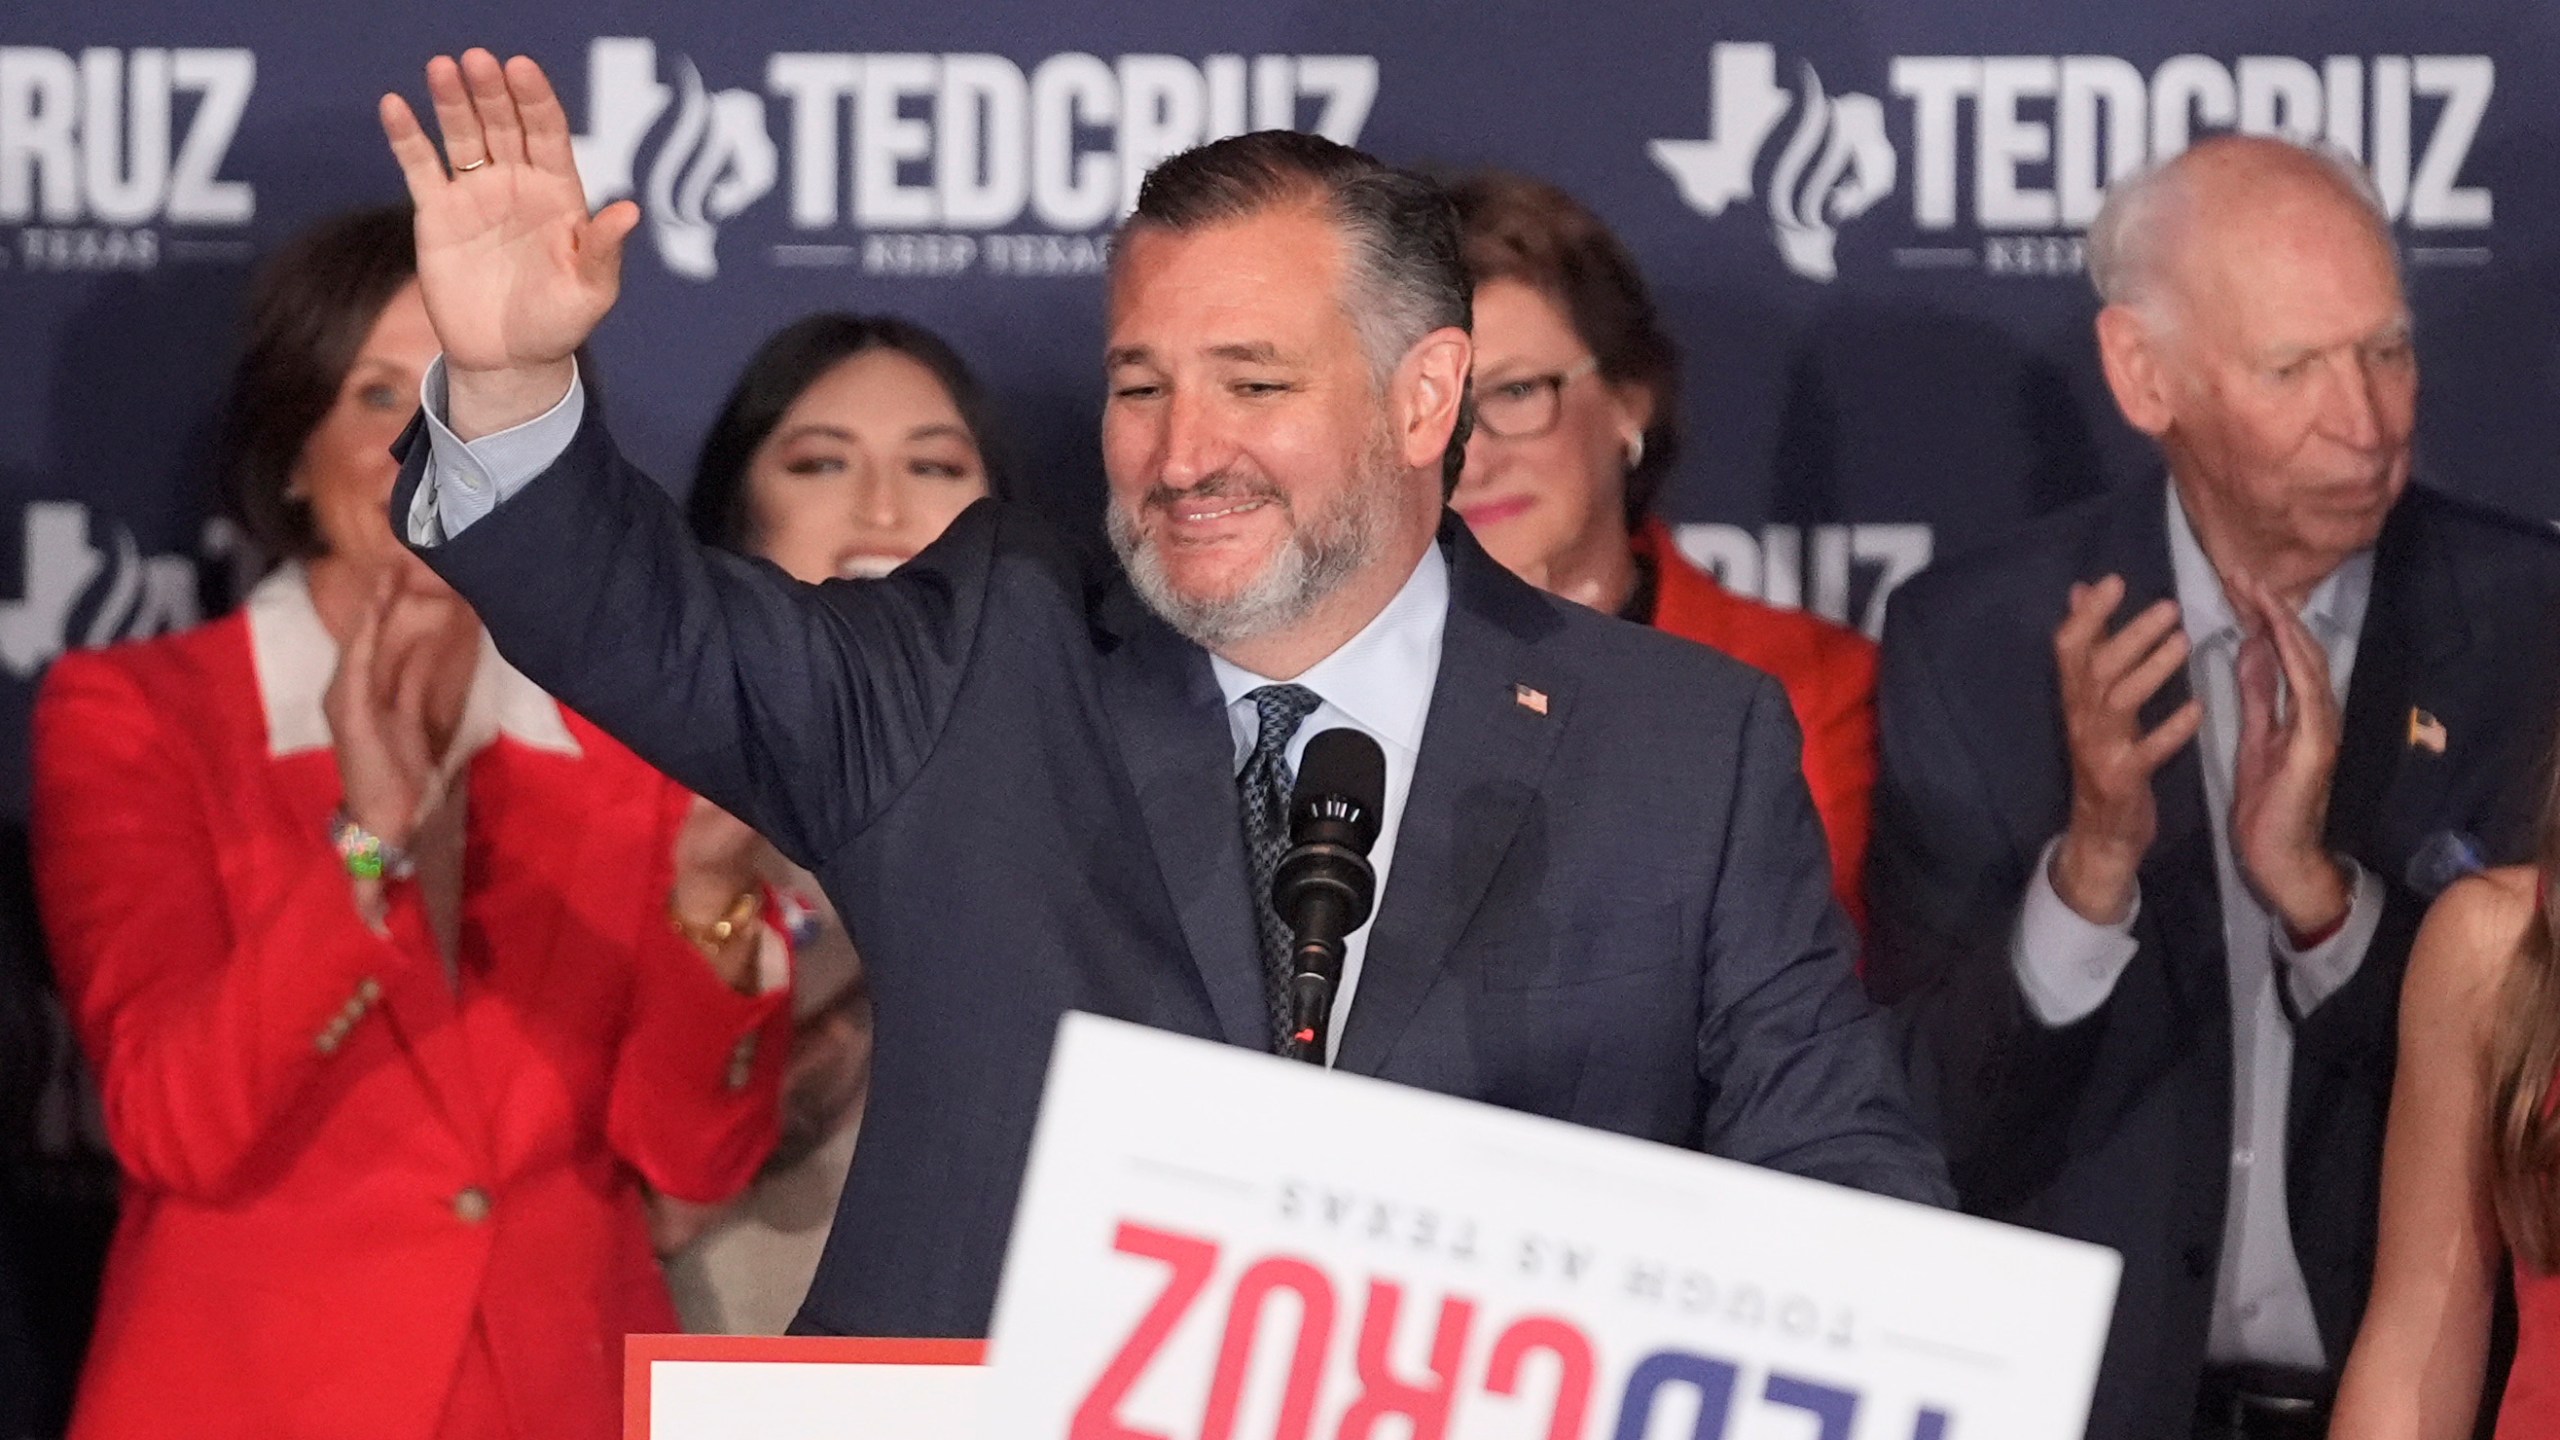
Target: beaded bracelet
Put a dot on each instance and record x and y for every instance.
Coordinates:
(366, 855)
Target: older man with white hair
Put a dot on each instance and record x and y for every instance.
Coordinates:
(2168, 777)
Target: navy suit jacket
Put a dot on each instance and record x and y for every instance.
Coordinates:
(1017, 785)
(2117, 1129)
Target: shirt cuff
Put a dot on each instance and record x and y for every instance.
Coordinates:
(2312, 976)
(2066, 964)
(467, 480)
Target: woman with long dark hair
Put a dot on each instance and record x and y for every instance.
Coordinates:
(847, 445)
(2470, 1168)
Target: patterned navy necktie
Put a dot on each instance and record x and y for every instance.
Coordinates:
(1263, 787)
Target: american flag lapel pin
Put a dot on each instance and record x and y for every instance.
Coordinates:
(1533, 701)
(2426, 732)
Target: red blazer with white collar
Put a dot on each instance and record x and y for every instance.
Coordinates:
(1828, 672)
(345, 1178)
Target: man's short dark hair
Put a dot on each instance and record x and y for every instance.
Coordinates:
(1407, 276)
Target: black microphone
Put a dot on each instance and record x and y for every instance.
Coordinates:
(1324, 885)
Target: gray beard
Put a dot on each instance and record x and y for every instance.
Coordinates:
(1318, 558)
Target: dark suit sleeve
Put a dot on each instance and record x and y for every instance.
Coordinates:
(1945, 882)
(801, 709)
(1799, 1066)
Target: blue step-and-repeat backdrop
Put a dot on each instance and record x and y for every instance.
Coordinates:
(1862, 216)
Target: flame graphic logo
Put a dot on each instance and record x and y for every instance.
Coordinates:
(716, 159)
(1835, 166)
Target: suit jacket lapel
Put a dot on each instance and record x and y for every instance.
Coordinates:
(2413, 626)
(1170, 720)
(1484, 751)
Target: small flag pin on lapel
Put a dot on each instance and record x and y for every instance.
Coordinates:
(1534, 701)
(2426, 732)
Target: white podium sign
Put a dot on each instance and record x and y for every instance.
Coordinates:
(1218, 1245)
(793, 1387)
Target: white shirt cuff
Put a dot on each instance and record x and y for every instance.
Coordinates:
(2066, 964)
(467, 480)
(2312, 976)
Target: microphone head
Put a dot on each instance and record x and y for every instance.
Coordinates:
(1342, 784)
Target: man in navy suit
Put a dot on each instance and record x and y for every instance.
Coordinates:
(2169, 778)
(1030, 789)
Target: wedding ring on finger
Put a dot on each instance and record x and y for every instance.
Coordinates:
(474, 165)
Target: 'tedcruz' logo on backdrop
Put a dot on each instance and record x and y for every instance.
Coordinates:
(1835, 166)
(104, 152)
(2040, 136)
(924, 165)
(716, 160)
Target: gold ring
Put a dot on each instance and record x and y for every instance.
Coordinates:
(474, 165)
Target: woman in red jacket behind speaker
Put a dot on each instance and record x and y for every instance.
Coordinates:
(397, 977)
(1577, 391)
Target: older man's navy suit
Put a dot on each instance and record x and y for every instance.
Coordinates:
(2117, 1128)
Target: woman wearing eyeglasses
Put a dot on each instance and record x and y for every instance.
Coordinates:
(1577, 392)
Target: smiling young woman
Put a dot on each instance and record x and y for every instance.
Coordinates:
(847, 445)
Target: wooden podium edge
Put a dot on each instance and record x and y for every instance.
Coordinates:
(640, 1352)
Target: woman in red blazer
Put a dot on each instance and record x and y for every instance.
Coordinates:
(398, 978)
(1577, 392)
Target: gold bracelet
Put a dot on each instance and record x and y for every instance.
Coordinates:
(713, 938)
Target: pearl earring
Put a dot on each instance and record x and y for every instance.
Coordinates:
(1635, 450)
